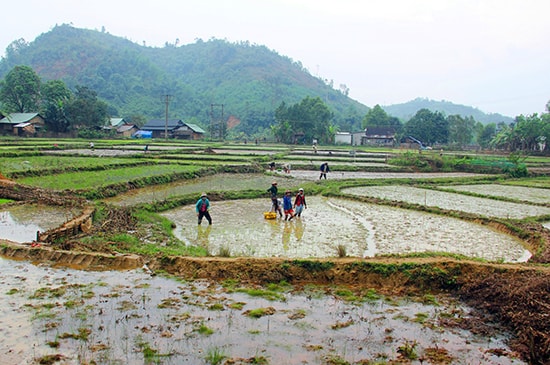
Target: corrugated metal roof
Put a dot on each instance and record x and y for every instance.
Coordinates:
(16, 118)
(159, 125)
(195, 128)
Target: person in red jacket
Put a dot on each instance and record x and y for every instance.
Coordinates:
(299, 203)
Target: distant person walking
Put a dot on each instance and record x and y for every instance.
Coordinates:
(324, 169)
(300, 203)
(202, 207)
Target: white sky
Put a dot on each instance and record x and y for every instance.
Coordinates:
(490, 54)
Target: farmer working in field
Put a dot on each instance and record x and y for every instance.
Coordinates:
(275, 205)
(202, 206)
(324, 169)
(300, 202)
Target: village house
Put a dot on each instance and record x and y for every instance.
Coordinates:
(21, 124)
(379, 136)
(174, 128)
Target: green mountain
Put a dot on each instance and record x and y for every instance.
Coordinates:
(407, 110)
(250, 81)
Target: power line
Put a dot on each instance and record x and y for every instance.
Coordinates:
(167, 99)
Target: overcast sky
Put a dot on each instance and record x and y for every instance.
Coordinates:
(490, 54)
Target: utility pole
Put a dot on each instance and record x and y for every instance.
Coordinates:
(216, 125)
(166, 98)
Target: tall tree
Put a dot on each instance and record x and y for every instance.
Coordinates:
(378, 117)
(428, 127)
(55, 97)
(20, 90)
(86, 110)
(309, 119)
(461, 130)
(486, 135)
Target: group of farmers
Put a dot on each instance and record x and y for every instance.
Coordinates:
(290, 210)
(286, 207)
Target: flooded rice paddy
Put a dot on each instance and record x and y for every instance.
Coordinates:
(453, 201)
(363, 230)
(218, 182)
(20, 223)
(131, 317)
(534, 195)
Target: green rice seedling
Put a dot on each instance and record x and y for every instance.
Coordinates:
(205, 330)
(216, 307)
(237, 305)
(342, 252)
(225, 251)
(215, 356)
(333, 359)
(420, 317)
(260, 312)
(408, 350)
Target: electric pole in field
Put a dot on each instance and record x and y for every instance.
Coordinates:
(217, 128)
(166, 98)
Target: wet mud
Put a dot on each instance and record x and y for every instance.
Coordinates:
(330, 227)
(131, 317)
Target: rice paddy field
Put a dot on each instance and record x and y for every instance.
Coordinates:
(367, 208)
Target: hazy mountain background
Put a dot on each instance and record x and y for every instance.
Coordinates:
(250, 80)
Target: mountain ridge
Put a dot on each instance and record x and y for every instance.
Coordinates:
(250, 80)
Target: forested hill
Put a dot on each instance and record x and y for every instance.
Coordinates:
(407, 110)
(249, 80)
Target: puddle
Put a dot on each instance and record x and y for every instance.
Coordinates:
(363, 229)
(20, 223)
(116, 317)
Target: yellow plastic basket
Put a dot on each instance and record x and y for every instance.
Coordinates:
(270, 215)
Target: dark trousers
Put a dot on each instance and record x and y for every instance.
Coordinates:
(206, 215)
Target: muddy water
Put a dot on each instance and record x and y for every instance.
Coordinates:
(111, 317)
(21, 222)
(535, 195)
(451, 201)
(219, 182)
(364, 230)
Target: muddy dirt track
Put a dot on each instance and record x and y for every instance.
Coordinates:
(516, 296)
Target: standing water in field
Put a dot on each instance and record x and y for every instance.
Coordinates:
(331, 225)
(130, 317)
(20, 223)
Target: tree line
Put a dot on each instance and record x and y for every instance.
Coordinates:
(22, 91)
(525, 133)
(64, 111)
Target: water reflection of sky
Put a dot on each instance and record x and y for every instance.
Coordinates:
(13, 230)
(21, 222)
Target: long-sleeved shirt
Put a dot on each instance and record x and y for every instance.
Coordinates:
(300, 200)
(200, 204)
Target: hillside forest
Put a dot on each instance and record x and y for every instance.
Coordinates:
(77, 79)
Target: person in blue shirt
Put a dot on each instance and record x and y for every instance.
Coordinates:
(202, 206)
(287, 205)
